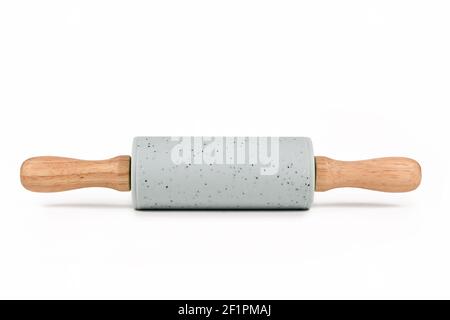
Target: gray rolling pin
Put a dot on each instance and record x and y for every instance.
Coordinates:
(221, 173)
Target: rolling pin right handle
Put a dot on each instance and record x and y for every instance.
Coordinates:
(394, 174)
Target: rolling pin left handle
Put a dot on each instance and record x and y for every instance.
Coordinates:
(54, 174)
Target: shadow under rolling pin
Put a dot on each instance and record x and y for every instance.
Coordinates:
(220, 173)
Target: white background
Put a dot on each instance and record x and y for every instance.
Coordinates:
(362, 78)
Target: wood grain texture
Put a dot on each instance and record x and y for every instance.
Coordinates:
(53, 174)
(393, 174)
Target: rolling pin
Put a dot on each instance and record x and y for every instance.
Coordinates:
(221, 173)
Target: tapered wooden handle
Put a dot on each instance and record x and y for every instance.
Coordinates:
(393, 174)
(52, 174)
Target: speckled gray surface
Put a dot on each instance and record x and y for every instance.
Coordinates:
(163, 176)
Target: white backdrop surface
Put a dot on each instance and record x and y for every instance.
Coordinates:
(363, 79)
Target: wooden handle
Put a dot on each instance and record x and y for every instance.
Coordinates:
(52, 174)
(383, 174)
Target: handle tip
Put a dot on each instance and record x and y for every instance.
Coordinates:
(415, 175)
(26, 179)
